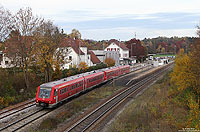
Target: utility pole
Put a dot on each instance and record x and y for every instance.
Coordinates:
(135, 35)
(103, 52)
(79, 54)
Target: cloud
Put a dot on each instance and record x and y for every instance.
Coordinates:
(110, 18)
(127, 33)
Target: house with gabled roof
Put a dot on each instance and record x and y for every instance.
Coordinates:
(116, 46)
(94, 59)
(75, 52)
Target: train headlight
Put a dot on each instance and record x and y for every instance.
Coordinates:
(49, 101)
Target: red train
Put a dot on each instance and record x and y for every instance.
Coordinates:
(51, 93)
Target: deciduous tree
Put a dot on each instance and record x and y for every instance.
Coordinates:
(20, 43)
(110, 62)
(46, 52)
(83, 67)
(6, 23)
(75, 34)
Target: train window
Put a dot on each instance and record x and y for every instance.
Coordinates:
(60, 91)
(76, 85)
(65, 90)
(55, 92)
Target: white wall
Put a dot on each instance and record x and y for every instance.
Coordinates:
(123, 53)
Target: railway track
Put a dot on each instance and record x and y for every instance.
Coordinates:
(17, 110)
(22, 122)
(89, 120)
(17, 107)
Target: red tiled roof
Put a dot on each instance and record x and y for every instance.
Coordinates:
(69, 42)
(80, 43)
(94, 58)
(121, 45)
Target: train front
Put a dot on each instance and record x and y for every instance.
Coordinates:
(44, 97)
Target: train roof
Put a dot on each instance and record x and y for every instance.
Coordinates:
(64, 80)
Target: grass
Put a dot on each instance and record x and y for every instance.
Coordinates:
(152, 111)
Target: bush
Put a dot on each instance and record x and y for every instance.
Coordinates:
(13, 88)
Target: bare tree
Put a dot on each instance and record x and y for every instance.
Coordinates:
(6, 23)
(21, 44)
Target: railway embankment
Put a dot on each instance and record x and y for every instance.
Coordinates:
(154, 110)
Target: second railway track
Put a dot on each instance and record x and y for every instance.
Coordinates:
(89, 120)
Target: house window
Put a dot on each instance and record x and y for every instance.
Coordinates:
(1, 57)
(6, 62)
(118, 49)
(115, 49)
(108, 49)
(70, 57)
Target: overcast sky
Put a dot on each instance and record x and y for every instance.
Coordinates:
(119, 19)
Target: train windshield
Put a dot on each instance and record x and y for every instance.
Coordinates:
(44, 92)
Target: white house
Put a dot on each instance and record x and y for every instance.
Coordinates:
(121, 48)
(5, 62)
(75, 52)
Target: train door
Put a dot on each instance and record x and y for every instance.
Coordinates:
(56, 95)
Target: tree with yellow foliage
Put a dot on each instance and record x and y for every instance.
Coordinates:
(83, 67)
(46, 53)
(186, 77)
(110, 62)
(181, 74)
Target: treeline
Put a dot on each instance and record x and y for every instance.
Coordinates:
(185, 81)
(171, 45)
(159, 45)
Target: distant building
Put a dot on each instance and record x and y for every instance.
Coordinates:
(94, 59)
(100, 54)
(119, 48)
(114, 55)
(5, 62)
